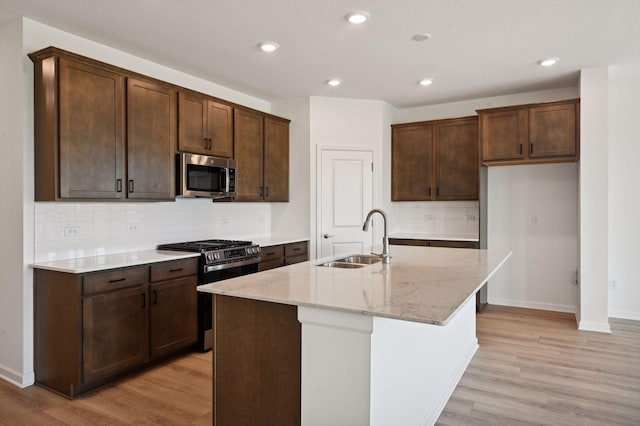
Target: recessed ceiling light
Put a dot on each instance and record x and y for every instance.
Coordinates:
(426, 82)
(421, 37)
(269, 46)
(358, 17)
(334, 82)
(547, 62)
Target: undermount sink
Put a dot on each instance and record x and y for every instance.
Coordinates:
(352, 261)
(366, 259)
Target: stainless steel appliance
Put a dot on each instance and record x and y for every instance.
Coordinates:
(219, 260)
(205, 176)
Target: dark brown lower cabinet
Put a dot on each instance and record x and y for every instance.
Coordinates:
(256, 363)
(92, 328)
(114, 333)
(169, 332)
(283, 254)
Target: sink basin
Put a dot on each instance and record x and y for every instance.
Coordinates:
(348, 265)
(353, 261)
(366, 259)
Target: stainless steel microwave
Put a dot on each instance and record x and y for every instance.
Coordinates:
(205, 176)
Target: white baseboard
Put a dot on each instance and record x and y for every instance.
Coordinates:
(14, 377)
(601, 327)
(450, 386)
(532, 305)
(624, 315)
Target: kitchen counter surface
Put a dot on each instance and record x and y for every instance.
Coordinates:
(422, 284)
(439, 237)
(274, 240)
(83, 265)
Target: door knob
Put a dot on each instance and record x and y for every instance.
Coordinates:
(328, 236)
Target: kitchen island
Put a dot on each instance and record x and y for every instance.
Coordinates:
(382, 344)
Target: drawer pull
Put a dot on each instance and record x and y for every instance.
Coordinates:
(117, 280)
(297, 249)
(270, 254)
(144, 300)
(155, 297)
(175, 270)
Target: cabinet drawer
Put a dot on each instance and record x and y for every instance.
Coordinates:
(295, 249)
(408, 242)
(173, 269)
(270, 264)
(272, 252)
(290, 260)
(455, 244)
(114, 279)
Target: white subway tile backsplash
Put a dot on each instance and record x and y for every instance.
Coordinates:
(104, 228)
(447, 218)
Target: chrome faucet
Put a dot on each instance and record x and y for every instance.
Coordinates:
(386, 257)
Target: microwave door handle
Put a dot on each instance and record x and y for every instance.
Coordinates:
(223, 180)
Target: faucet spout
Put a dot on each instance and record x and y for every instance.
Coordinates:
(386, 257)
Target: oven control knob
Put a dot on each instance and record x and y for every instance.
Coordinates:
(210, 256)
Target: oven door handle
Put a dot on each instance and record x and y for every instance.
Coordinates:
(211, 268)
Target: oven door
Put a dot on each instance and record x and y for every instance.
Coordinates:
(205, 301)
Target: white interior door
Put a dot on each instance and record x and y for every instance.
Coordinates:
(346, 196)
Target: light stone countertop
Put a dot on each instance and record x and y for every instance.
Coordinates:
(81, 265)
(421, 284)
(274, 240)
(439, 237)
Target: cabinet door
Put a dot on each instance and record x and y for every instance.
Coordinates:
(174, 307)
(248, 146)
(276, 159)
(552, 131)
(192, 119)
(456, 160)
(412, 163)
(220, 129)
(91, 132)
(115, 333)
(504, 135)
(151, 140)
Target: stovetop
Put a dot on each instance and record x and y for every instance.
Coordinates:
(204, 245)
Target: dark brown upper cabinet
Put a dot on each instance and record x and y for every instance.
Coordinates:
(97, 135)
(205, 125)
(261, 149)
(151, 140)
(525, 134)
(435, 160)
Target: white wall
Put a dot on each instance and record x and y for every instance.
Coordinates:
(533, 211)
(593, 308)
(624, 196)
(338, 122)
(16, 193)
(294, 218)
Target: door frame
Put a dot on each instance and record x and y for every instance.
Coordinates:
(374, 197)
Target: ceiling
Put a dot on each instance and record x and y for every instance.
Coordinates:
(478, 48)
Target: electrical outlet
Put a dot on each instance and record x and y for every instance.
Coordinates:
(429, 218)
(471, 218)
(534, 220)
(72, 231)
(133, 227)
(613, 284)
(224, 222)
(260, 219)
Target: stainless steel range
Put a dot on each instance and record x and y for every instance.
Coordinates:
(219, 260)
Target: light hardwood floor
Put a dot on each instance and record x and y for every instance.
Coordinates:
(533, 367)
